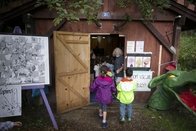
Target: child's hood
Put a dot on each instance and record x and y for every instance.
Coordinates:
(104, 80)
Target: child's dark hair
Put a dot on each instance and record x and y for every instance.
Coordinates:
(103, 70)
(129, 72)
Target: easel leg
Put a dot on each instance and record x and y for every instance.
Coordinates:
(48, 108)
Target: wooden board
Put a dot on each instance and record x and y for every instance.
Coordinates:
(72, 70)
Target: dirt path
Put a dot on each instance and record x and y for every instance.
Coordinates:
(86, 119)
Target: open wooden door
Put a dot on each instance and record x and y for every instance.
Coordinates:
(72, 70)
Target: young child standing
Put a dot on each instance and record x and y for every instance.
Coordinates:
(104, 87)
(126, 88)
(97, 66)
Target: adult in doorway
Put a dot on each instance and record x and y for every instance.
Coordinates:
(118, 64)
(92, 64)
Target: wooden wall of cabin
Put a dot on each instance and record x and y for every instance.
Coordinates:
(133, 31)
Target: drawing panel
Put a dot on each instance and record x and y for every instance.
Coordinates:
(10, 101)
(138, 61)
(131, 61)
(24, 60)
(146, 61)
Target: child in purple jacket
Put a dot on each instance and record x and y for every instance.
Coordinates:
(104, 87)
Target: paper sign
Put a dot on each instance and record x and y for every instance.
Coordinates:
(10, 101)
(139, 46)
(130, 46)
(142, 78)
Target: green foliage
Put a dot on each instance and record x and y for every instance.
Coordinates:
(146, 6)
(123, 3)
(187, 51)
(72, 10)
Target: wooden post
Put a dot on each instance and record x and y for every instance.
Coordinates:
(176, 34)
(160, 56)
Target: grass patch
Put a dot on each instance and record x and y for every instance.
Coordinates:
(178, 119)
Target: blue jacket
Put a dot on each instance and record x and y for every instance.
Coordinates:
(104, 87)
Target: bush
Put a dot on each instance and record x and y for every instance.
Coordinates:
(187, 51)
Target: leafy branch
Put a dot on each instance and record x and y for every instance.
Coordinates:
(146, 6)
(72, 10)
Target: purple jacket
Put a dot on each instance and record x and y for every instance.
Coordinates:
(104, 87)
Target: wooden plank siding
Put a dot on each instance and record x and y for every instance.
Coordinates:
(133, 30)
(162, 24)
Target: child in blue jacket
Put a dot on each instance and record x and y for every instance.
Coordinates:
(104, 87)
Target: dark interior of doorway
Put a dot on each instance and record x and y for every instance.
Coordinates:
(103, 45)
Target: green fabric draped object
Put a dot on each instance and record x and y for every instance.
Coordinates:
(168, 87)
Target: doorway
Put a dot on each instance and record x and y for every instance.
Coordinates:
(102, 46)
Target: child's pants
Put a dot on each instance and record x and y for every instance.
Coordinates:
(103, 107)
(125, 108)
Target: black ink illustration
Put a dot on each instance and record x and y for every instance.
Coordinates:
(10, 99)
(23, 60)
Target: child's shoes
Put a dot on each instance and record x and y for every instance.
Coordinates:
(122, 120)
(129, 119)
(104, 124)
(101, 116)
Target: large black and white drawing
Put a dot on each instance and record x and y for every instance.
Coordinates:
(24, 60)
(10, 99)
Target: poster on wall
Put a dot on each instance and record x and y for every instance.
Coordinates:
(10, 101)
(146, 61)
(142, 78)
(24, 60)
(130, 46)
(139, 46)
(131, 61)
(139, 61)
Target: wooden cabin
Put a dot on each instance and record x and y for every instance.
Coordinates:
(155, 40)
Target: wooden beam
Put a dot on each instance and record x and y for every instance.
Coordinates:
(183, 10)
(178, 23)
(25, 8)
(54, 28)
(158, 35)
